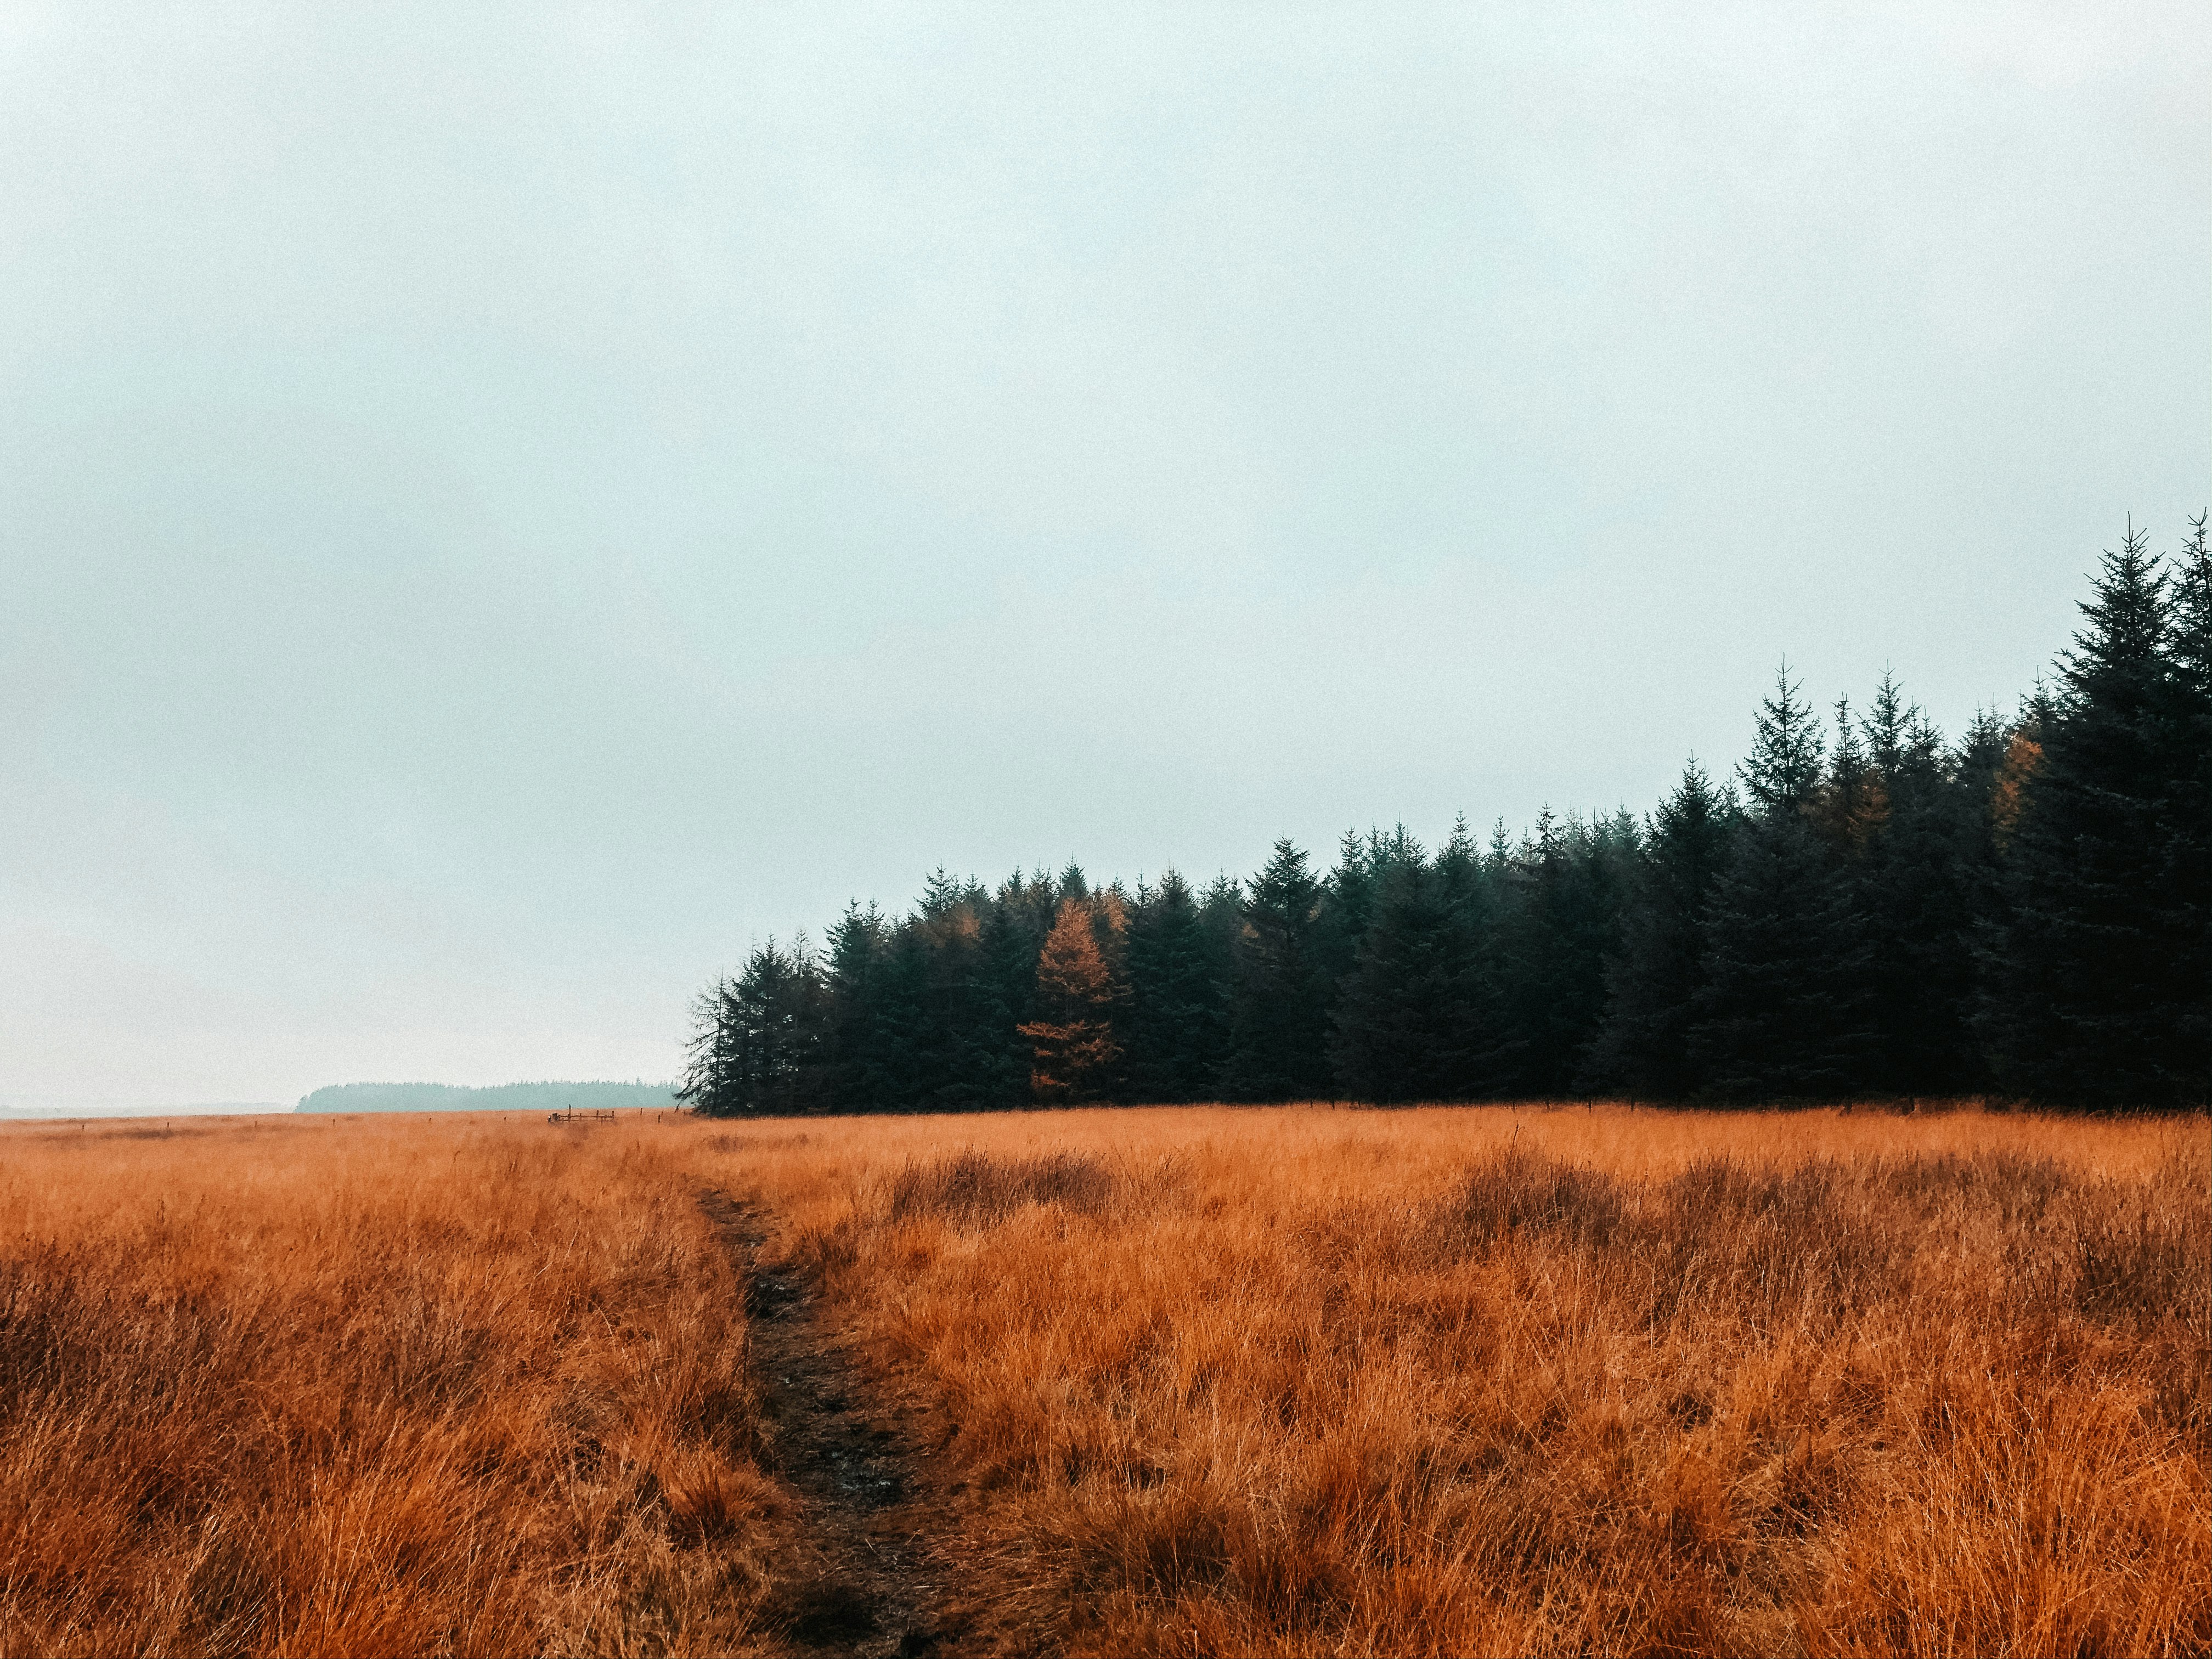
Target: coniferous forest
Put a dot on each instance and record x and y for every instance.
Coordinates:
(1865, 909)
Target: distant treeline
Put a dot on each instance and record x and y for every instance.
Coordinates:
(504, 1098)
(1867, 909)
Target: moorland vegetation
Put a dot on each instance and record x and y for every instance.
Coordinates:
(1569, 1380)
(1201, 1379)
(369, 1386)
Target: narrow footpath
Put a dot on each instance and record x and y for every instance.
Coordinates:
(858, 1579)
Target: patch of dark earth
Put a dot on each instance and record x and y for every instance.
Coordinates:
(860, 1578)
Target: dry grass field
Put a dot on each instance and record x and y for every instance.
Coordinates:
(1188, 1381)
(1481, 1381)
(369, 1386)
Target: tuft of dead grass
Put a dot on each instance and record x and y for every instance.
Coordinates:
(416, 1386)
(971, 1189)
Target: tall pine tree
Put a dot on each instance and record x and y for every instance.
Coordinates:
(1279, 992)
(1407, 1013)
(1177, 1031)
(1922, 858)
(853, 1058)
(2187, 853)
(759, 1047)
(1786, 1011)
(1657, 977)
(1562, 909)
(2095, 998)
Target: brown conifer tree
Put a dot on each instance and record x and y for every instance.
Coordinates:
(1072, 1042)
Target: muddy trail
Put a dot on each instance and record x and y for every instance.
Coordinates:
(857, 1577)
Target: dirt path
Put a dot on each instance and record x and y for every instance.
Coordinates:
(858, 1578)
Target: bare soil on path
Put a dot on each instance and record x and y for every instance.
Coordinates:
(857, 1577)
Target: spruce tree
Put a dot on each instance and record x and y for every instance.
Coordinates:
(1849, 802)
(1561, 920)
(1348, 907)
(906, 1039)
(1015, 923)
(759, 1049)
(1464, 882)
(1110, 927)
(1657, 977)
(852, 971)
(1406, 1011)
(2095, 997)
(1174, 1020)
(2187, 857)
(1603, 857)
(1786, 1011)
(1923, 861)
(1497, 1057)
(710, 1084)
(966, 1015)
(1221, 925)
(1278, 1006)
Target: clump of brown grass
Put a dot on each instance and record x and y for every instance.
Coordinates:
(1451, 1382)
(398, 1386)
(972, 1189)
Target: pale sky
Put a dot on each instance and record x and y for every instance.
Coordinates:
(502, 509)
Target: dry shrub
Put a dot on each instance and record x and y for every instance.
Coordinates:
(2143, 1249)
(1510, 1191)
(973, 1190)
(1613, 1382)
(410, 1385)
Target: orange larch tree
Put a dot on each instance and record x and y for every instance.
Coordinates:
(1075, 1054)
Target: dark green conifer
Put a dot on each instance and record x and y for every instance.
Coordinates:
(1174, 1024)
(1280, 994)
(1561, 918)
(1658, 975)
(1464, 876)
(1923, 853)
(1015, 923)
(852, 968)
(964, 1015)
(907, 1044)
(758, 1051)
(709, 1085)
(1348, 909)
(1785, 1010)
(2096, 998)
(1848, 803)
(2187, 856)
(1408, 1011)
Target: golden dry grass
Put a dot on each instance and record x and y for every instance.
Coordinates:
(394, 1386)
(1488, 1381)
(1272, 1380)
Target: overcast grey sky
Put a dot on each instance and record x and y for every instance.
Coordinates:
(502, 508)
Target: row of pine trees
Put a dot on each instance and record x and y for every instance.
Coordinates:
(1864, 909)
